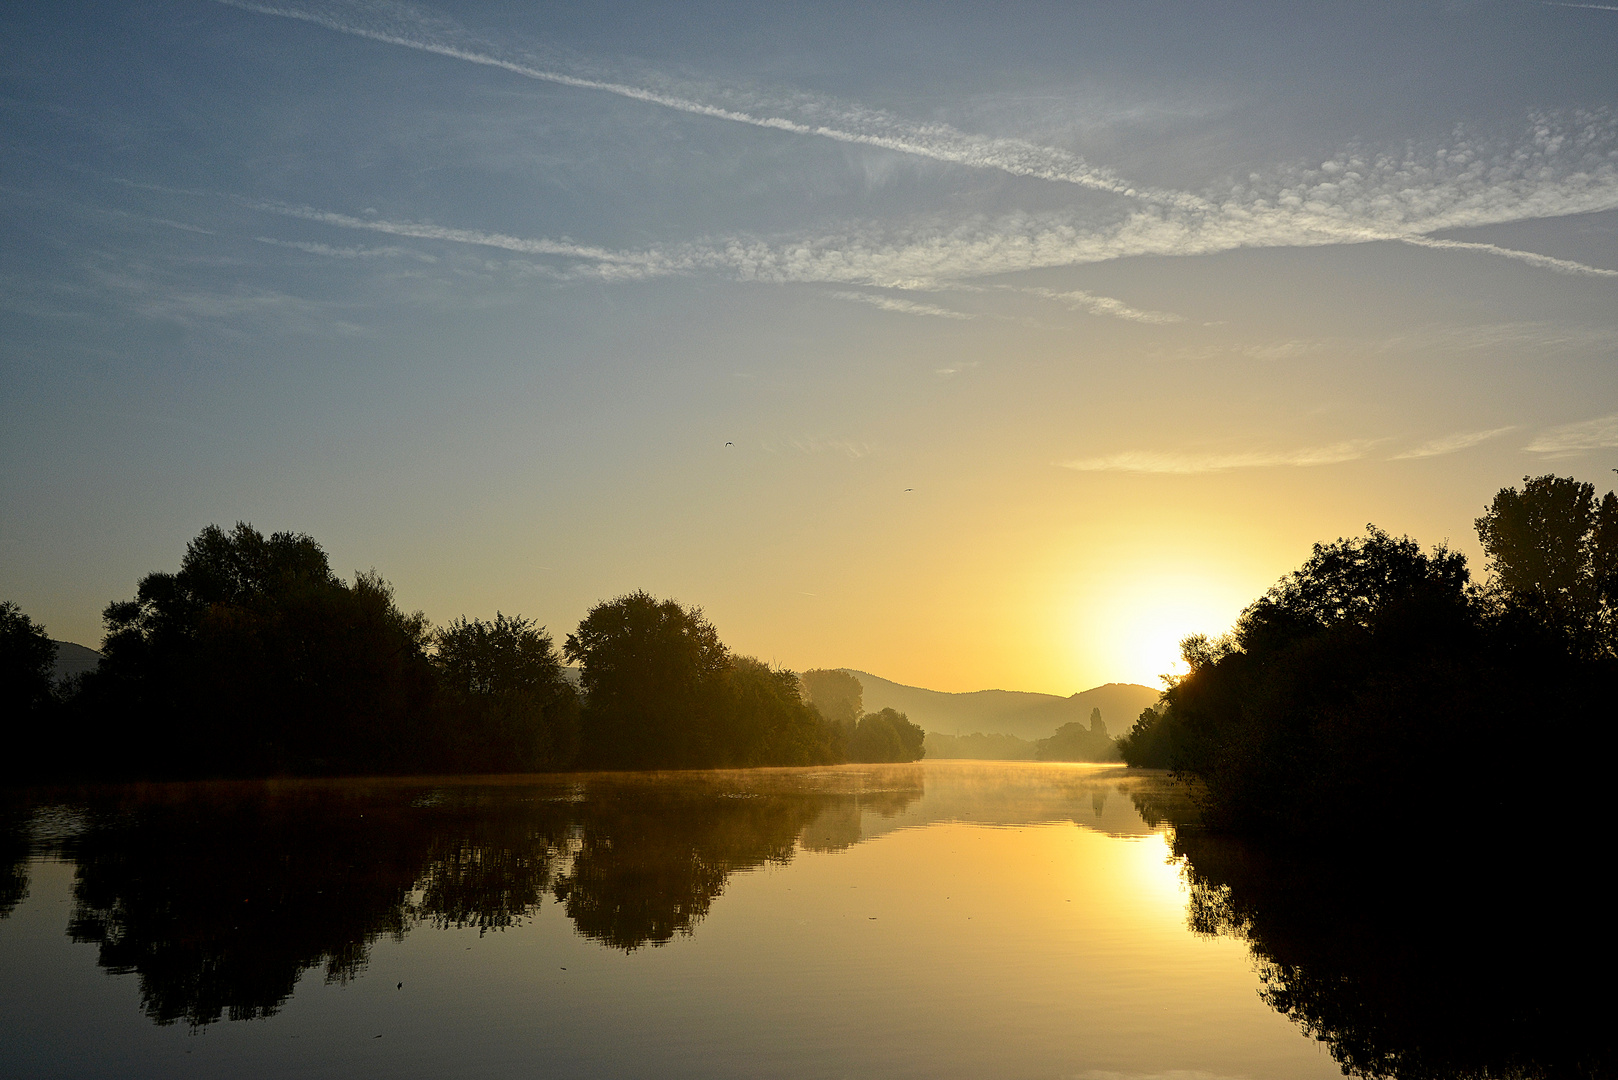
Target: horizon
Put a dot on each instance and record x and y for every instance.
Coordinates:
(979, 351)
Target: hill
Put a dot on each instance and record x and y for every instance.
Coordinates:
(72, 659)
(1006, 712)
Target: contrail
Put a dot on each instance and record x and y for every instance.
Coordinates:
(1012, 156)
(1591, 7)
(1561, 266)
(461, 236)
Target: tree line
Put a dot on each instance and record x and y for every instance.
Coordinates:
(256, 659)
(1378, 684)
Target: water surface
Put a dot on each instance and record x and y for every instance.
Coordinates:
(944, 919)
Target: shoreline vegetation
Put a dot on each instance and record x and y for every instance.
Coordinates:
(256, 660)
(1379, 685)
(1392, 789)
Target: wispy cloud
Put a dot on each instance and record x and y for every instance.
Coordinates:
(414, 29)
(1598, 434)
(1154, 461)
(1546, 262)
(1450, 444)
(820, 444)
(906, 307)
(1078, 300)
(345, 252)
(425, 231)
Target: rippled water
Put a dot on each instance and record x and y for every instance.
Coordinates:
(946, 919)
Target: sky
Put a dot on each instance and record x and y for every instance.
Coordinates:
(972, 345)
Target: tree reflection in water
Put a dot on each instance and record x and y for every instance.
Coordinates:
(220, 897)
(1442, 957)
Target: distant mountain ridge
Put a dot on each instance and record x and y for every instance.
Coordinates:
(1006, 712)
(73, 660)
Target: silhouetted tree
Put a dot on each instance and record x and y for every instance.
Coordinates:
(256, 659)
(507, 706)
(652, 674)
(1553, 554)
(26, 659)
(766, 721)
(1075, 742)
(837, 694)
(662, 691)
(886, 736)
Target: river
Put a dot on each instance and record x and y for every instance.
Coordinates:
(943, 919)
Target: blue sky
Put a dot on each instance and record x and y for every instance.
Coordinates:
(1040, 336)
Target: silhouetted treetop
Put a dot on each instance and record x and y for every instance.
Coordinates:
(837, 694)
(1553, 554)
(26, 658)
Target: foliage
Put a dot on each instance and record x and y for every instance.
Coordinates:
(27, 657)
(1376, 676)
(978, 747)
(255, 659)
(1150, 743)
(652, 674)
(507, 705)
(886, 736)
(837, 694)
(1553, 553)
(1075, 742)
(769, 723)
(662, 691)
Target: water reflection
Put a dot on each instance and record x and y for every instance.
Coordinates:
(219, 897)
(1454, 955)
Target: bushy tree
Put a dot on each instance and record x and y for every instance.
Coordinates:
(1075, 742)
(254, 659)
(653, 678)
(767, 722)
(838, 695)
(27, 659)
(506, 705)
(886, 736)
(1553, 557)
(662, 691)
(1336, 687)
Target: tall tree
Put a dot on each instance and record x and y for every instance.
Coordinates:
(507, 705)
(254, 659)
(1541, 547)
(652, 674)
(27, 657)
(838, 695)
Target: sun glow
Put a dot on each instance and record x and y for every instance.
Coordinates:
(1143, 619)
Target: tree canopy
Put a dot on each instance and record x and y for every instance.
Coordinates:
(1377, 668)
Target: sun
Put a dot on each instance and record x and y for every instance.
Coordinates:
(1135, 630)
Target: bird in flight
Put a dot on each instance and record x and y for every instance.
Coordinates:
(730, 444)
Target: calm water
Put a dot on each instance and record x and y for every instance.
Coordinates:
(937, 920)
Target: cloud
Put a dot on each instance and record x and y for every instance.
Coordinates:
(1449, 444)
(413, 29)
(1153, 461)
(907, 307)
(1598, 434)
(1078, 300)
(1561, 266)
(424, 231)
(822, 444)
(345, 252)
